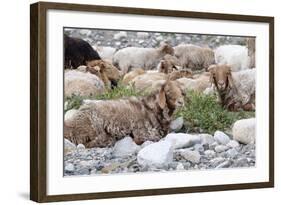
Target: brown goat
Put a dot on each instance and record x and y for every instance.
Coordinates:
(102, 123)
(108, 73)
(230, 97)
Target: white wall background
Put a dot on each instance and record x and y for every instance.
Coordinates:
(14, 102)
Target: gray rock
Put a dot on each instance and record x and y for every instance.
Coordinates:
(120, 35)
(180, 166)
(213, 146)
(81, 147)
(221, 137)
(125, 147)
(232, 153)
(224, 164)
(181, 140)
(221, 148)
(158, 154)
(244, 131)
(68, 146)
(146, 143)
(241, 162)
(192, 156)
(69, 167)
(142, 34)
(207, 139)
(233, 144)
(210, 153)
(198, 147)
(176, 124)
(216, 161)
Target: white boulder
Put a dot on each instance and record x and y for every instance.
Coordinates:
(244, 131)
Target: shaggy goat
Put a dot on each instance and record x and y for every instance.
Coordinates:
(235, 56)
(77, 52)
(102, 123)
(80, 83)
(147, 58)
(236, 89)
(194, 57)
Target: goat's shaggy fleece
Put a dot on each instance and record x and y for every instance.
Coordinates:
(235, 56)
(102, 123)
(194, 57)
(236, 89)
(134, 57)
(80, 83)
(131, 75)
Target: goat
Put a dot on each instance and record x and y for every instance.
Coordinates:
(102, 123)
(236, 90)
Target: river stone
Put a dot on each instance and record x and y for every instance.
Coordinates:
(125, 147)
(221, 137)
(192, 156)
(233, 144)
(158, 154)
(181, 140)
(221, 148)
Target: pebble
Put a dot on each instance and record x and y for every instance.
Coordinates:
(69, 167)
(125, 147)
(221, 137)
(192, 156)
(176, 124)
(221, 148)
(233, 144)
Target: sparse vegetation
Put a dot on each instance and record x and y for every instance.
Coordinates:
(75, 101)
(202, 112)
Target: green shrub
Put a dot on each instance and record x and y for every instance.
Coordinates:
(119, 92)
(202, 112)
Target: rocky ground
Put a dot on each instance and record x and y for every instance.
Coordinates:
(122, 39)
(175, 152)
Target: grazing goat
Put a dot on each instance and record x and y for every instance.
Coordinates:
(235, 56)
(77, 52)
(236, 89)
(108, 73)
(194, 57)
(129, 58)
(102, 123)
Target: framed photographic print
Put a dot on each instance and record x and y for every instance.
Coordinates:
(134, 102)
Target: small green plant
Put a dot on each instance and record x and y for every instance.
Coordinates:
(203, 112)
(119, 92)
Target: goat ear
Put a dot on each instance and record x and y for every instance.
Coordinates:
(162, 97)
(230, 80)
